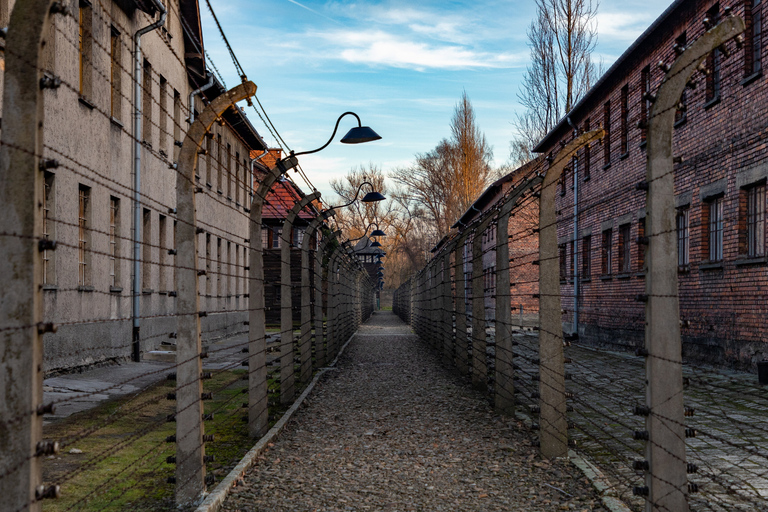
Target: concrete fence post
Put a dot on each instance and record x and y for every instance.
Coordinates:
(479, 343)
(287, 374)
(21, 306)
(190, 469)
(553, 424)
(321, 313)
(504, 397)
(306, 296)
(665, 450)
(460, 311)
(258, 405)
(447, 307)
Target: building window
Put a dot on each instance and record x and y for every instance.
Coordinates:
(753, 47)
(572, 260)
(714, 210)
(680, 113)
(146, 250)
(219, 167)
(208, 264)
(228, 271)
(173, 277)
(625, 248)
(641, 244)
(229, 171)
(84, 236)
(209, 159)
(563, 262)
(161, 230)
(238, 185)
(645, 103)
(237, 271)
(587, 154)
(176, 117)
(713, 60)
(114, 241)
(265, 242)
(752, 221)
(607, 252)
(298, 236)
(163, 128)
(49, 276)
(607, 129)
(115, 104)
(683, 236)
(219, 268)
(586, 257)
(146, 104)
(624, 119)
(563, 178)
(85, 44)
(276, 233)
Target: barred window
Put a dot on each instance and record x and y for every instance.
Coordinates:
(641, 245)
(146, 250)
(713, 60)
(753, 47)
(563, 262)
(48, 226)
(680, 113)
(683, 236)
(624, 119)
(114, 241)
(586, 257)
(645, 103)
(625, 248)
(115, 103)
(755, 220)
(715, 207)
(84, 236)
(163, 252)
(607, 137)
(85, 47)
(607, 251)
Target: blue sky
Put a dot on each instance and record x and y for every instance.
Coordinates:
(400, 65)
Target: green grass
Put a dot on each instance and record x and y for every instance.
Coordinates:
(123, 460)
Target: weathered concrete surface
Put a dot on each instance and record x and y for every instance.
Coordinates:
(392, 429)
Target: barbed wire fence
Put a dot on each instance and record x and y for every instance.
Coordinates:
(664, 432)
(199, 253)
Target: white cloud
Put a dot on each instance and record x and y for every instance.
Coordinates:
(624, 27)
(380, 48)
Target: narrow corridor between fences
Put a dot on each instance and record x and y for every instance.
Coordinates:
(392, 428)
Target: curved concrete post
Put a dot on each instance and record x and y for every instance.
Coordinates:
(321, 338)
(21, 306)
(305, 341)
(479, 343)
(190, 470)
(287, 377)
(333, 304)
(665, 450)
(462, 362)
(447, 306)
(504, 389)
(553, 426)
(258, 412)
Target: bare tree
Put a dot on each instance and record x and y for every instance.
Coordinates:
(561, 38)
(444, 182)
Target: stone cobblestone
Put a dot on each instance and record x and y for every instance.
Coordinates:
(392, 429)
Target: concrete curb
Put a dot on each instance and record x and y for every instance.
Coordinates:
(593, 474)
(215, 499)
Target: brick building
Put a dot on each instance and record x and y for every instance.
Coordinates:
(88, 200)
(523, 246)
(279, 202)
(720, 136)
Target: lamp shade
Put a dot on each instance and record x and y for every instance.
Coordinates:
(378, 232)
(360, 134)
(372, 197)
(375, 244)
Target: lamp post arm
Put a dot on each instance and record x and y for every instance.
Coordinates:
(356, 193)
(332, 135)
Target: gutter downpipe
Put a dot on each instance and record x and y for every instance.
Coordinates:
(194, 93)
(575, 237)
(137, 115)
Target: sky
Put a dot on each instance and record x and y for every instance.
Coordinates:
(402, 66)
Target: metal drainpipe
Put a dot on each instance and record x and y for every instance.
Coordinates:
(575, 237)
(194, 93)
(137, 114)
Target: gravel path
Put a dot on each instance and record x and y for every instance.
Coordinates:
(392, 429)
